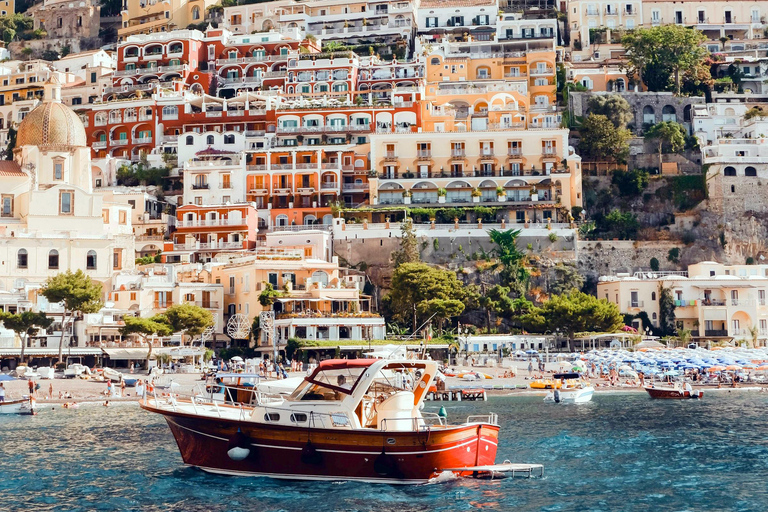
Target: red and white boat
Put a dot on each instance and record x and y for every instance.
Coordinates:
(355, 419)
(674, 392)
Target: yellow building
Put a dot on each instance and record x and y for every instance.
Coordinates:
(7, 7)
(150, 16)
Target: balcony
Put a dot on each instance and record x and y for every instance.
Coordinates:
(258, 191)
(162, 305)
(390, 156)
(198, 246)
(305, 190)
(424, 154)
(283, 191)
(329, 185)
(355, 187)
(716, 333)
(635, 304)
(542, 71)
(119, 142)
(211, 222)
(177, 67)
(200, 186)
(101, 144)
(209, 304)
(458, 153)
(142, 140)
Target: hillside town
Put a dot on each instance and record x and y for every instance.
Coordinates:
(302, 180)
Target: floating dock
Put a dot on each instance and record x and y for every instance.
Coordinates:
(506, 469)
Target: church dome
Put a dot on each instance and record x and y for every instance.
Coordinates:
(51, 123)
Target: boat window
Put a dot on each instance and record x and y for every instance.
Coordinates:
(328, 384)
(340, 419)
(298, 417)
(271, 416)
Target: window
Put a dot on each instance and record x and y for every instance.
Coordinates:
(122, 218)
(209, 140)
(229, 139)
(734, 297)
(225, 181)
(189, 140)
(6, 206)
(90, 260)
(66, 198)
(21, 258)
(117, 258)
(171, 112)
(58, 171)
(195, 13)
(53, 259)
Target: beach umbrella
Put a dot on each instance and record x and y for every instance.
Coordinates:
(717, 368)
(733, 367)
(237, 359)
(6, 377)
(577, 369)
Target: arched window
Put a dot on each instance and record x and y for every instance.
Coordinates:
(229, 139)
(21, 258)
(668, 113)
(750, 171)
(90, 260)
(649, 115)
(653, 295)
(209, 140)
(189, 140)
(195, 13)
(170, 112)
(435, 61)
(729, 171)
(53, 259)
(321, 277)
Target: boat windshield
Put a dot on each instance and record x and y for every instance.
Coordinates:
(328, 384)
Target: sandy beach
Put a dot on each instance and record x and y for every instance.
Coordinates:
(89, 390)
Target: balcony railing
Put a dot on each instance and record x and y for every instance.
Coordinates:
(716, 332)
(424, 154)
(355, 186)
(636, 304)
(163, 305)
(329, 185)
(211, 304)
(200, 186)
(211, 222)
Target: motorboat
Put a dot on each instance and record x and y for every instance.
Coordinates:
(22, 406)
(673, 391)
(358, 419)
(46, 372)
(111, 374)
(75, 370)
(25, 372)
(545, 384)
(573, 389)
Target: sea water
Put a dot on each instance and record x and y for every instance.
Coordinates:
(621, 452)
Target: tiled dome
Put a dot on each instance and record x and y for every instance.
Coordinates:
(51, 124)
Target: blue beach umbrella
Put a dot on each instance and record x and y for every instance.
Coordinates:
(6, 377)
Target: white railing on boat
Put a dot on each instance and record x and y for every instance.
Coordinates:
(491, 418)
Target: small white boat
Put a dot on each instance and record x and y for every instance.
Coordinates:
(46, 372)
(76, 370)
(113, 375)
(16, 407)
(573, 389)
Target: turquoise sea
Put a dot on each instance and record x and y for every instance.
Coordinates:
(622, 452)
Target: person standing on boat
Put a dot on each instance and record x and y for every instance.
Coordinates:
(2, 392)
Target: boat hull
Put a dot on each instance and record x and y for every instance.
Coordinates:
(327, 454)
(576, 396)
(672, 394)
(15, 407)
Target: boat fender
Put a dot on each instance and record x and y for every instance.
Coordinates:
(238, 447)
(310, 455)
(385, 465)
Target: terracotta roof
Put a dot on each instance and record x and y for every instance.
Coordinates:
(437, 4)
(10, 168)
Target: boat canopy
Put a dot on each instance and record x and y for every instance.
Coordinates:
(567, 376)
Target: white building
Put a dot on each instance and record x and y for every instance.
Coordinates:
(50, 218)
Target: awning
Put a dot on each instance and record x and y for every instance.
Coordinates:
(123, 354)
(53, 351)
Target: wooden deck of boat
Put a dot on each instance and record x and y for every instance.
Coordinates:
(505, 469)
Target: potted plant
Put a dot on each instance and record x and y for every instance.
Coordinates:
(501, 194)
(441, 193)
(406, 197)
(534, 194)
(476, 195)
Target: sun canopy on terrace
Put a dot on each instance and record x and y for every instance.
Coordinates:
(596, 340)
(247, 97)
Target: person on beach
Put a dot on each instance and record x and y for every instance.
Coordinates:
(122, 388)
(50, 391)
(31, 385)
(109, 388)
(530, 368)
(2, 392)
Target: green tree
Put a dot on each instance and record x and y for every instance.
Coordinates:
(574, 312)
(77, 292)
(442, 309)
(655, 264)
(602, 141)
(669, 135)
(563, 278)
(514, 269)
(188, 319)
(673, 255)
(622, 225)
(612, 106)
(671, 47)
(414, 285)
(666, 312)
(409, 246)
(24, 324)
(496, 301)
(146, 327)
(11, 144)
(269, 295)
(630, 183)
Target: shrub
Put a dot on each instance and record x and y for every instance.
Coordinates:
(552, 237)
(654, 264)
(630, 183)
(673, 255)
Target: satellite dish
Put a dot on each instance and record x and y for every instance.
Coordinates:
(238, 327)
